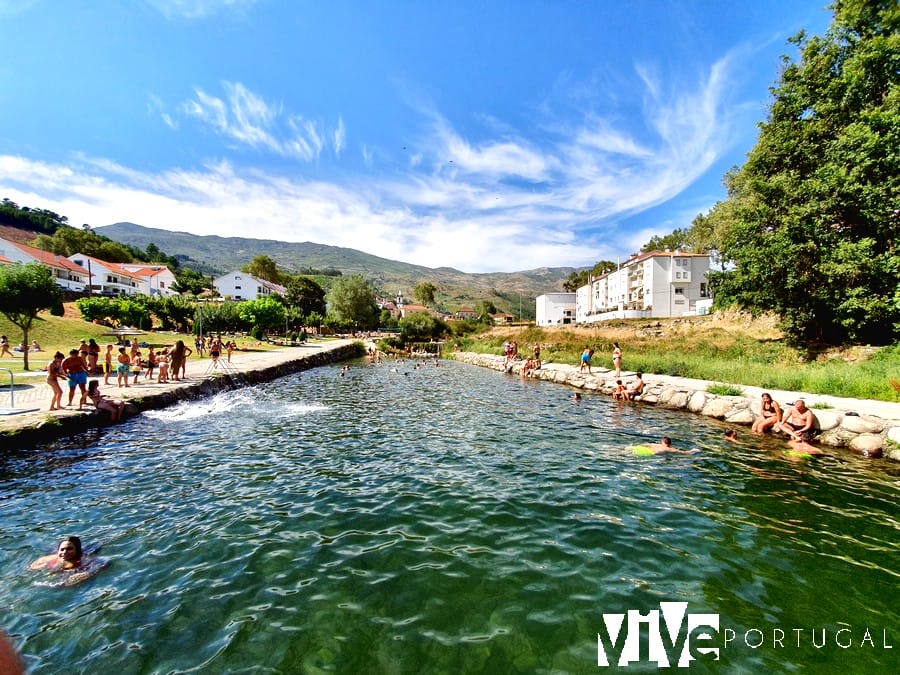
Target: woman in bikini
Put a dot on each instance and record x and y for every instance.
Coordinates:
(770, 414)
(54, 375)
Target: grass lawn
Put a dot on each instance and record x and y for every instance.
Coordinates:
(731, 349)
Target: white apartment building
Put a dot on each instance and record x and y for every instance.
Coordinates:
(159, 278)
(656, 284)
(107, 278)
(243, 286)
(554, 309)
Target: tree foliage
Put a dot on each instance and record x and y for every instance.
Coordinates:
(25, 290)
(424, 293)
(812, 218)
(263, 267)
(264, 313)
(26, 218)
(352, 301)
(420, 326)
(305, 295)
(580, 278)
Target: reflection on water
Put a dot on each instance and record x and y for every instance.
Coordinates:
(436, 520)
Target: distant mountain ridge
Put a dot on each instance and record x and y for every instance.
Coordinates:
(507, 290)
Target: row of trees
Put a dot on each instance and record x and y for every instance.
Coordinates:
(809, 228)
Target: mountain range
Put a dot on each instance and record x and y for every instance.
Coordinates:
(510, 291)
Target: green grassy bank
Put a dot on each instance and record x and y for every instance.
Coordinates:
(712, 351)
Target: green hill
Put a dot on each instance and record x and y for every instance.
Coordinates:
(213, 254)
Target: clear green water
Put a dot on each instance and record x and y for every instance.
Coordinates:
(443, 520)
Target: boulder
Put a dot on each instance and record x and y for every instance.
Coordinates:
(838, 437)
(860, 424)
(827, 420)
(739, 416)
(893, 434)
(718, 407)
(696, 401)
(868, 445)
(678, 400)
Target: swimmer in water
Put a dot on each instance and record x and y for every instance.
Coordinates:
(665, 445)
(70, 558)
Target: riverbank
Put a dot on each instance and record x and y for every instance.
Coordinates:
(870, 428)
(41, 425)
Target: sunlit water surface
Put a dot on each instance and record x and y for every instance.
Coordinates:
(443, 520)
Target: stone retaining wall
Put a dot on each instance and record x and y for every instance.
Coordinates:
(864, 434)
(48, 430)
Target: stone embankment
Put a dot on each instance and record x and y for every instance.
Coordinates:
(42, 426)
(870, 428)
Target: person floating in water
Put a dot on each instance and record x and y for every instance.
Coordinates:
(731, 435)
(70, 559)
(665, 445)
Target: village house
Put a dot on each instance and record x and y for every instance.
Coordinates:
(555, 309)
(66, 273)
(243, 286)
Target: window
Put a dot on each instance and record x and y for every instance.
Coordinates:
(236, 277)
(702, 290)
(237, 288)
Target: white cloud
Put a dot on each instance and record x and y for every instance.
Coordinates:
(506, 201)
(247, 118)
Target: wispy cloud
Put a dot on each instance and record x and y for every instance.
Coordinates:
(198, 9)
(507, 200)
(248, 119)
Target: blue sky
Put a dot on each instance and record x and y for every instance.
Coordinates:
(485, 136)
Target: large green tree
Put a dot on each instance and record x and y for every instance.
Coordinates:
(352, 300)
(263, 267)
(811, 219)
(424, 293)
(25, 290)
(305, 295)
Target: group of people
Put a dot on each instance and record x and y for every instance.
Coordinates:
(630, 393)
(18, 349)
(130, 365)
(588, 353)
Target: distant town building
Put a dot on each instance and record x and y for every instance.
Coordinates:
(655, 284)
(160, 278)
(502, 318)
(65, 273)
(554, 309)
(243, 286)
(465, 313)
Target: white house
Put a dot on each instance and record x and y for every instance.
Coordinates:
(652, 284)
(160, 278)
(554, 309)
(243, 286)
(67, 274)
(107, 278)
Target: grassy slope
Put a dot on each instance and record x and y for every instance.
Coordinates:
(731, 349)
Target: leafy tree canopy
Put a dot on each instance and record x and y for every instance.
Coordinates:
(25, 290)
(578, 279)
(352, 300)
(25, 218)
(306, 295)
(263, 267)
(424, 293)
(811, 220)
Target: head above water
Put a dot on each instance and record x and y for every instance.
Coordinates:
(70, 549)
(666, 441)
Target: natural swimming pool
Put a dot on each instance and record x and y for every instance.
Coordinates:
(445, 519)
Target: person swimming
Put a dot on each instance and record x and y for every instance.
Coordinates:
(71, 559)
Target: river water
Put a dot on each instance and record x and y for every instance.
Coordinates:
(442, 520)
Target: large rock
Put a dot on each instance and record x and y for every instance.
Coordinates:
(860, 424)
(893, 434)
(868, 445)
(827, 420)
(718, 407)
(838, 437)
(696, 401)
(678, 400)
(739, 416)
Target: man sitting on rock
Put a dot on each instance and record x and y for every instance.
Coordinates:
(798, 421)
